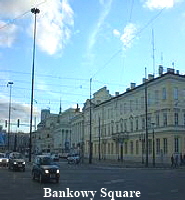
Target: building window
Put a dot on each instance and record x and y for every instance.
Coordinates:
(164, 93)
(149, 122)
(126, 149)
(108, 148)
(143, 123)
(136, 104)
(137, 124)
(137, 146)
(165, 119)
(176, 119)
(131, 125)
(175, 93)
(156, 96)
(121, 124)
(143, 145)
(149, 99)
(150, 146)
(131, 147)
(112, 148)
(176, 145)
(125, 125)
(157, 146)
(142, 102)
(157, 119)
(165, 146)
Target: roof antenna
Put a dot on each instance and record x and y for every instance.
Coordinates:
(161, 58)
(153, 51)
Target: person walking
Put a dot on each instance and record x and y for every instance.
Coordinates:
(176, 161)
(172, 161)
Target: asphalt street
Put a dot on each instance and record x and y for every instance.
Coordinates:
(153, 184)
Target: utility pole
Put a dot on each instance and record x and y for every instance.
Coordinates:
(34, 11)
(99, 147)
(9, 113)
(146, 119)
(153, 138)
(90, 121)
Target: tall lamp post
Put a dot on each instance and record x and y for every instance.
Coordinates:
(153, 138)
(90, 121)
(35, 11)
(9, 114)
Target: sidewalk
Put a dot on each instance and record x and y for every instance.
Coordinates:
(130, 164)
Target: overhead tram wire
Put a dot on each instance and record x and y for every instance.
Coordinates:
(139, 32)
(20, 16)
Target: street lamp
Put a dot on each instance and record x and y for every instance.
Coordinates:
(9, 114)
(142, 139)
(153, 124)
(34, 11)
(90, 121)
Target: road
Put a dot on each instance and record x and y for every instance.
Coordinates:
(153, 184)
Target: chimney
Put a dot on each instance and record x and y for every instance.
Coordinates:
(116, 94)
(145, 80)
(160, 70)
(150, 76)
(177, 71)
(170, 70)
(132, 85)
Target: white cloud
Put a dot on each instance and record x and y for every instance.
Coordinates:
(93, 37)
(128, 35)
(116, 32)
(54, 22)
(54, 28)
(160, 4)
(12, 8)
(7, 34)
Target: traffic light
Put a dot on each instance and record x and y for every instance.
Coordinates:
(18, 123)
(6, 123)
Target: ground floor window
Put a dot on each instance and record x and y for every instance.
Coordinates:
(131, 147)
(137, 146)
(150, 146)
(165, 146)
(176, 145)
(126, 150)
(157, 146)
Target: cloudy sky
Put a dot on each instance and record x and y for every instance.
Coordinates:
(109, 41)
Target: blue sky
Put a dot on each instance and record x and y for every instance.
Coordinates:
(109, 41)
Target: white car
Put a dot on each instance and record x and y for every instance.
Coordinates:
(3, 160)
(73, 158)
(16, 161)
(55, 157)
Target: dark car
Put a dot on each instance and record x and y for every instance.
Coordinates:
(45, 169)
(16, 161)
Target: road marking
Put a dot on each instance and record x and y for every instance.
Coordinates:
(115, 181)
(174, 191)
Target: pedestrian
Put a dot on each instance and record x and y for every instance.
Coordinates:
(172, 161)
(176, 161)
(181, 159)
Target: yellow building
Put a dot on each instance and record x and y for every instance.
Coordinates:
(121, 124)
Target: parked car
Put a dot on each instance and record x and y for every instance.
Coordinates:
(55, 157)
(73, 158)
(16, 161)
(45, 169)
(3, 160)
